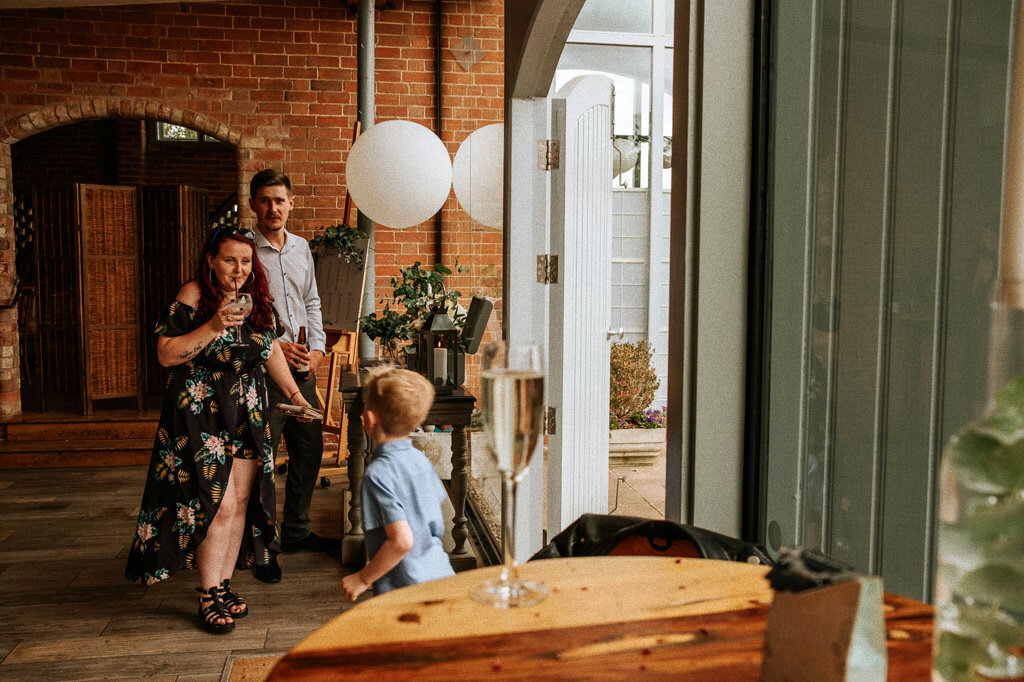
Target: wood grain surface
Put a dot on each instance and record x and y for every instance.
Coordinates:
(608, 618)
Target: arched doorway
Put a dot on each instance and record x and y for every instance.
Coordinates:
(102, 144)
(707, 286)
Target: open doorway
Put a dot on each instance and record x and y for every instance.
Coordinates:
(108, 215)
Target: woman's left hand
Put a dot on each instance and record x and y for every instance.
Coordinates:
(299, 400)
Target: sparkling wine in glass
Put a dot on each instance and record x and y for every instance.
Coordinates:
(243, 303)
(512, 383)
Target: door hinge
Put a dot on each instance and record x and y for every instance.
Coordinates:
(547, 155)
(550, 426)
(547, 268)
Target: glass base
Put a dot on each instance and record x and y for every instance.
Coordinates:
(506, 594)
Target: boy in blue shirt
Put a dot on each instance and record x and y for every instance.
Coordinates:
(402, 494)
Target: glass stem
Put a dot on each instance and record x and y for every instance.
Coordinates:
(508, 571)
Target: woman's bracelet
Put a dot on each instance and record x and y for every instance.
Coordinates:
(293, 394)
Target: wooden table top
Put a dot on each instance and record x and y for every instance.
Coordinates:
(606, 618)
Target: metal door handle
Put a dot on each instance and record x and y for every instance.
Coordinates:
(619, 333)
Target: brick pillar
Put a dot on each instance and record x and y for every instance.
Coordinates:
(10, 371)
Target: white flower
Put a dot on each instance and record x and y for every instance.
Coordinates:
(453, 308)
(215, 445)
(197, 391)
(144, 531)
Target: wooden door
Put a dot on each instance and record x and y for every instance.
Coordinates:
(109, 292)
(581, 209)
(56, 253)
(174, 226)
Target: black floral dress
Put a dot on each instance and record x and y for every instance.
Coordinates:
(214, 410)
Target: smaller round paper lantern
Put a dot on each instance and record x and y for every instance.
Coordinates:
(398, 173)
(624, 155)
(477, 174)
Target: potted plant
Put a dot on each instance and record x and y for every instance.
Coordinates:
(346, 241)
(390, 327)
(416, 291)
(636, 432)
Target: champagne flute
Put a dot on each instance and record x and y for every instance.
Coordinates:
(513, 404)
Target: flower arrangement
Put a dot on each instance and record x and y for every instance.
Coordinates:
(632, 387)
(417, 290)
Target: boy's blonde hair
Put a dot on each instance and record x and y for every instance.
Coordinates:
(401, 398)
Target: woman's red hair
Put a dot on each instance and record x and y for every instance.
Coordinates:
(262, 316)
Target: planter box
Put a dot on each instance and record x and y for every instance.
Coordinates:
(635, 446)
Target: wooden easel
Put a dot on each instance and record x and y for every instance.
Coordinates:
(343, 351)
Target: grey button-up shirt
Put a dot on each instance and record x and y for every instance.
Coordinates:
(292, 280)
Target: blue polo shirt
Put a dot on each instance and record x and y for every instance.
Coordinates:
(400, 484)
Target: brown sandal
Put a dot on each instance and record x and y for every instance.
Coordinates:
(232, 601)
(214, 611)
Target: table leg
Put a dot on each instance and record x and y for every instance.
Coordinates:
(460, 487)
(352, 543)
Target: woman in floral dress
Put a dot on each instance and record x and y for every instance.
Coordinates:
(209, 499)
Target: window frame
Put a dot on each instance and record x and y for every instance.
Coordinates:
(154, 136)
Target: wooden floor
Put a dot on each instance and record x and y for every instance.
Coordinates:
(67, 613)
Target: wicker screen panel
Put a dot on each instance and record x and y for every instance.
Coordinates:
(115, 372)
(110, 218)
(109, 233)
(112, 301)
(60, 333)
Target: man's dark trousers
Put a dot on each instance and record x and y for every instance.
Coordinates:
(305, 443)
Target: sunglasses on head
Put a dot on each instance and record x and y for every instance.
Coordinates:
(217, 232)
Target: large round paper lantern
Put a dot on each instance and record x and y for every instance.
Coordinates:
(477, 174)
(398, 173)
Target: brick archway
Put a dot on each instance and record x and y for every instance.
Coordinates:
(53, 116)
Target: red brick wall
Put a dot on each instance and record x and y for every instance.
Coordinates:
(10, 384)
(277, 81)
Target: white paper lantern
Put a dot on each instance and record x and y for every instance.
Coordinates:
(398, 173)
(624, 155)
(477, 174)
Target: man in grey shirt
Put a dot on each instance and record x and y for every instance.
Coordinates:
(289, 267)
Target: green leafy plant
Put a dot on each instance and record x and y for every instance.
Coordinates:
(417, 290)
(342, 238)
(633, 383)
(391, 328)
(420, 289)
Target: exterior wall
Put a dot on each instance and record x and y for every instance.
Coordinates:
(278, 83)
(10, 382)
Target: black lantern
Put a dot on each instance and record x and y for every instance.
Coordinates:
(440, 359)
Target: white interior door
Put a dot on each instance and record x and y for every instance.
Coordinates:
(581, 220)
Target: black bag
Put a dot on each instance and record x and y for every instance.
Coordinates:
(604, 535)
